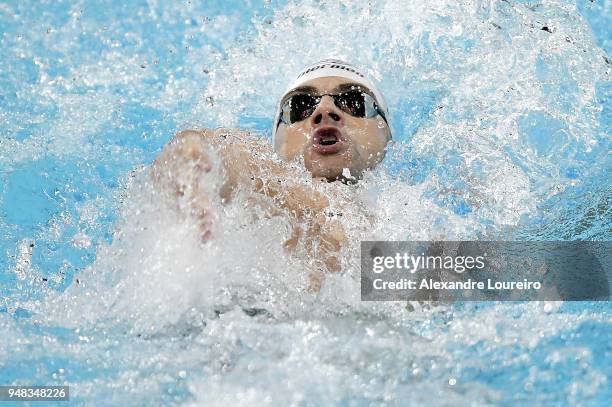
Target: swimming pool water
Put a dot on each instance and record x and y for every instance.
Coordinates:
(502, 119)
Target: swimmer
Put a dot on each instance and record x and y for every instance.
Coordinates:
(331, 118)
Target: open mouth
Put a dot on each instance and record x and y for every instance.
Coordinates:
(327, 140)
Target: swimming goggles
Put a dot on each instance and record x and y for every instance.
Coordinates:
(300, 106)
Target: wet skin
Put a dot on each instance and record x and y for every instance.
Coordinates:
(249, 163)
(361, 141)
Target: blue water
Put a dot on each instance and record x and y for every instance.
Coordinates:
(501, 128)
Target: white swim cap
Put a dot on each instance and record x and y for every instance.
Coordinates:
(326, 68)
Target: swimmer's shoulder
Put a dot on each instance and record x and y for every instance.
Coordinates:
(233, 142)
(220, 133)
(189, 133)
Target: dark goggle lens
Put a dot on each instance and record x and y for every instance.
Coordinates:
(301, 106)
(352, 102)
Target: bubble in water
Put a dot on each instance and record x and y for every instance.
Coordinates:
(493, 117)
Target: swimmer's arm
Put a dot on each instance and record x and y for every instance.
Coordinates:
(246, 162)
(250, 163)
(323, 238)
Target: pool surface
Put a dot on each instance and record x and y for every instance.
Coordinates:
(501, 113)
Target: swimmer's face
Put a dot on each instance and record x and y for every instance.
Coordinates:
(331, 139)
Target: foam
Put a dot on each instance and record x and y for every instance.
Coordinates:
(472, 89)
